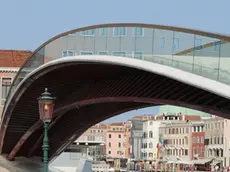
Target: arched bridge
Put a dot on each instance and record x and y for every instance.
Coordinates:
(100, 71)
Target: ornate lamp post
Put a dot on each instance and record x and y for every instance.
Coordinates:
(46, 105)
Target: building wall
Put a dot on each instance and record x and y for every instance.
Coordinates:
(5, 74)
(128, 126)
(137, 135)
(116, 140)
(214, 138)
(96, 133)
(226, 143)
(150, 139)
(198, 136)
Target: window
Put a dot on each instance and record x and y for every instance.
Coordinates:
(162, 42)
(150, 155)
(216, 45)
(119, 31)
(90, 32)
(118, 53)
(150, 134)
(103, 31)
(198, 44)
(176, 43)
(110, 136)
(119, 136)
(150, 145)
(86, 53)
(138, 31)
(109, 152)
(119, 144)
(186, 152)
(67, 53)
(6, 83)
(102, 53)
(137, 55)
(109, 144)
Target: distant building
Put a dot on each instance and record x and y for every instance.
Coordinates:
(137, 135)
(150, 140)
(198, 136)
(214, 139)
(10, 62)
(116, 140)
(95, 137)
(226, 142)
(176, 131)
(185, 111)
(128, 143)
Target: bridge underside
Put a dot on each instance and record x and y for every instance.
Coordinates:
(88, 93)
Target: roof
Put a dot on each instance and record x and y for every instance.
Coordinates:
(13, 58)
(117, 124)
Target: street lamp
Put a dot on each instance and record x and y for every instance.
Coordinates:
(46, 105)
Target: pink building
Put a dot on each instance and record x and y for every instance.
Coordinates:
(118, 140)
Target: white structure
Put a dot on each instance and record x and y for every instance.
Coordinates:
(100, 167)
(150, 139)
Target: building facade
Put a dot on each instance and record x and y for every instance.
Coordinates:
(137, 135)
(214, 138)
(11, 61)
(198, 136)
(150, 140)
(95, 138)
(116, 140)
(226, 154)
(176, 131)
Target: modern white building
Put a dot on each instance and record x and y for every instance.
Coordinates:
(150, 139)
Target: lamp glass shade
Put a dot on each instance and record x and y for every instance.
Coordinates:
(46, 110)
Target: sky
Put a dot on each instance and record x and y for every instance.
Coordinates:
(26, 24)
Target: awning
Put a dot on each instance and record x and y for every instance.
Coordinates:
(201, 161)
(185, 162)
(215, 162)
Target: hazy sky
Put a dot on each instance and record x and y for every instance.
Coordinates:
(25, 24)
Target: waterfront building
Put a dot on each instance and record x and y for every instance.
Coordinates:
(214, 139)
(117, 145)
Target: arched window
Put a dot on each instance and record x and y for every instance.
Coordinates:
(150, 134)
(150, 145)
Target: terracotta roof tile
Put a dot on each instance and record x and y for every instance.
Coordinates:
(13, 58)
(117, 124)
